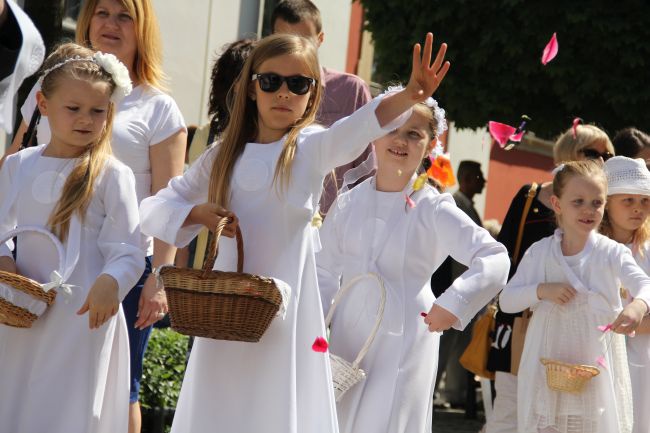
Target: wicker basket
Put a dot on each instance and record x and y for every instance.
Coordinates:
(564, 377)
(345, 374)
(14, 315)
(221, 305)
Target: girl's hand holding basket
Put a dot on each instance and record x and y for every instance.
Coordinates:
(7, 264)
(209, 215)
(102, 301)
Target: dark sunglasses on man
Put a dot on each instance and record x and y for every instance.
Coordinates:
(270, 82)
(594, 154)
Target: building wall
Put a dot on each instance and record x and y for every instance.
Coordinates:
(193, 36)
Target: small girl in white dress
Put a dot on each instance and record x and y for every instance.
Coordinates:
(69, 372)
(268, 170)
(626, 221)
(399, 227)
(571, 281)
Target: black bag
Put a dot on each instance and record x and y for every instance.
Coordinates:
(29, 139)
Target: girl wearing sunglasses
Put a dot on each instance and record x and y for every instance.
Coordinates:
(266, 173)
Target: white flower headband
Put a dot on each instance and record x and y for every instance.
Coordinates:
(110, 64)
(438, 114)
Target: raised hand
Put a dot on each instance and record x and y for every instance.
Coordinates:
(426, 77)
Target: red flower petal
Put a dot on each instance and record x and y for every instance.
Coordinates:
(501, 132)
(320, 345)
(550, 51)
(517, 137)
(423, 314)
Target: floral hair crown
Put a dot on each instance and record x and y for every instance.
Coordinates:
(110, 64)
(438, 113)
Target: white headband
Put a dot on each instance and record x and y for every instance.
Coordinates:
(110, 64)
(438, 113)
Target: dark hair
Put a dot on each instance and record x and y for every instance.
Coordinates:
(225, 71)
(630, 142)
(467, 167)
(295, 11)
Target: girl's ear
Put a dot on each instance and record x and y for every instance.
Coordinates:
(41, 103)
(555, 202)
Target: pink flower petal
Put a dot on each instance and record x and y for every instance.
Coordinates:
(409, 201)
(576, 122)
(605, 328)
(517, 137)
(320, 345)
(550, 51)
(601, 361)
(501, 132)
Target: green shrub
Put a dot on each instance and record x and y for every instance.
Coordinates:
(163, 369)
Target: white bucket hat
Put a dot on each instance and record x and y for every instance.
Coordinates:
(627, 176)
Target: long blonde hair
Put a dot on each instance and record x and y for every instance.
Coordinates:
(147, 65)
(243, 128)
(78, 188)
(639, 238)
(568, 145)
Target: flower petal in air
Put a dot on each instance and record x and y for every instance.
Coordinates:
(409, 201)
(601, 361)
(320, 345)
(423, 314)
(501, 132)
(550, 51)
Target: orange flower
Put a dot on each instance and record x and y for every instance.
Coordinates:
(441, 171)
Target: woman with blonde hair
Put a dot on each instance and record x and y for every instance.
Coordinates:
(149, 136)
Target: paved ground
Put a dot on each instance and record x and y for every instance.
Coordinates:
(454, 421)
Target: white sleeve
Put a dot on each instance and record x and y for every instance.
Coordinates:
(119, 237)
(521, 291)
(487, 261)
(167, 120)
(329, 260)
(348, 137)
(632, 276)
(8, 170)
(163, 215)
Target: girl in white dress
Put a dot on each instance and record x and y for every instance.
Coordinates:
(69, 372)
(268, 171)
(371, 228)
(626, 221)
(571, 281)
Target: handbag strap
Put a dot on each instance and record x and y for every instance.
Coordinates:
(532, 192)
(380, 312)
(28, 137)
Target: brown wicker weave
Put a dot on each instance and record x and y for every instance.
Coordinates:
(13, 315)
(220, 305)
(561, 376)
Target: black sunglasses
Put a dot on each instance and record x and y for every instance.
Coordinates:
(594, 154)
(270, 82)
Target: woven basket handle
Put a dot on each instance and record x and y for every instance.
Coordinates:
(29, 228)
(213, 247)
(380, 313)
